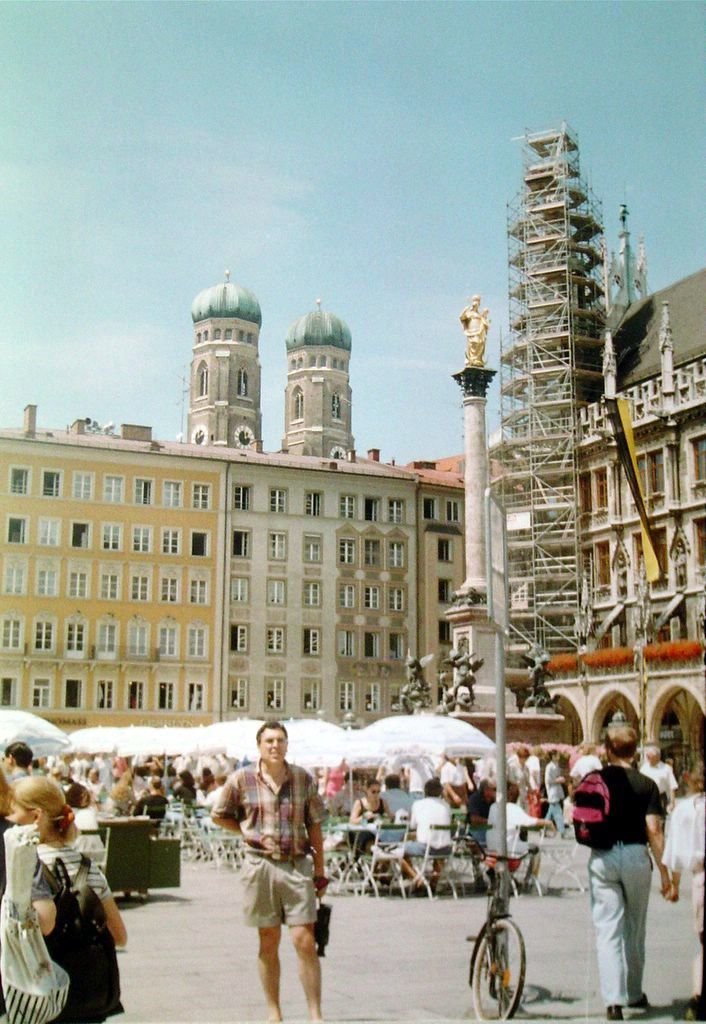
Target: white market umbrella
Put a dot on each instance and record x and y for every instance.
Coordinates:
(41, 736)
(315, 744)
(100, 739)
(235, 737)
(428, 734)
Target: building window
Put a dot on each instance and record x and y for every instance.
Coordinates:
(72, 693)
(16, 530)
(346, 696)
(312, 503)
(239, 639)
(239, 694)
(82, 486)
(444, 550)
(601, 484)
(198, 591)
(203, 378)
(372, 697)
(110, 585)
(275, 695)
(346, 643)
(700, 539)
(199, 544)
(453, 511)
(445, 590)
(107, 638)
(444, 631)
(229, 334)
(143, 491)
(651, 469)
(396, 646)
(11, 634)
(347, 506)
(51, 484)
(395, 554)
(311, 595)
(19, 481)
(312, 548)
(137, 639)
(239, 589)
(699, 449)
(298, 404)
(311, 644)
(241, 383)
(47, 582)
(346, 595)
(371, 645)
(311, 694)
(371, 551)
(241, 544)
(278, 500)
(277, 546)
(75, 638)
(168, 642)
(275, 640)
(105, 695)
(170, 542)
(141, 538)
(139, 588)
(201, 496)
(659, 542)
(241, 498)
(601, 561)
(80, 533)
(112, 488)
(49, 532)
(14, 579)
(276, 592)
(169, 589)
(585, 502)
(429, 508)
(171, 494)
(165, 696)
(41, 693)
(112, 537)
(136, 695)
(43, 635)
(395, 599)
(336, 406)
(197, 642)
(78, 583)
(195, 696)
(371, 598)
(346, 551)
(395, 510)
(371, 509)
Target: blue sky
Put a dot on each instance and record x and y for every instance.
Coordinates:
(361, 153)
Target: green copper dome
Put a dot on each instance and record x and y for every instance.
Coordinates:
(318, 328)
(226, 300)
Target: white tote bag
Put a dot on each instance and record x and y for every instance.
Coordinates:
(35, 988)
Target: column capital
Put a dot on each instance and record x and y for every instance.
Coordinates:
(474, 381)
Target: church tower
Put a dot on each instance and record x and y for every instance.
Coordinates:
(224, 384)
(317, 416)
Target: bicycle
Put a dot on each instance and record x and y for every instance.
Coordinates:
(498, 960)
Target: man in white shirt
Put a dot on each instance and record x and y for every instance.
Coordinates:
(453, 782)
(589, 761)
(517, 819)
(432, 810)
(661, 774)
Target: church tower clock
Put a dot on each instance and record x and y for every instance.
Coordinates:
(317, 418)
(224, 384)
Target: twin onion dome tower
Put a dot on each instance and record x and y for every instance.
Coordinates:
(225, 381)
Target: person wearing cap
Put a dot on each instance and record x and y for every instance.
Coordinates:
(277, 809)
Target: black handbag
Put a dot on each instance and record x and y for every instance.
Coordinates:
(322, 927)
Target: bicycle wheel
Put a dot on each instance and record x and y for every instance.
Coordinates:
(497, 974)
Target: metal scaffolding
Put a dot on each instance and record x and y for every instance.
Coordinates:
(550, 369)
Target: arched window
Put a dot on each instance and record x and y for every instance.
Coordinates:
(241, 384)
(336, 405)
(298, 404)
(203, 380)
(217, 334)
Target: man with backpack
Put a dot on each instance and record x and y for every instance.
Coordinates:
(619, 829)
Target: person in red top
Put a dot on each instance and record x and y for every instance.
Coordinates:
(276, 808)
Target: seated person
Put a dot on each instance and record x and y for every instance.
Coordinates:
(479, 804)
(154, 803)
(396, 798)
(368, 809)
(431, 810)
(518, 821)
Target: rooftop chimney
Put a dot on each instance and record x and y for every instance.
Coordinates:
(30, 420)
(374, 454)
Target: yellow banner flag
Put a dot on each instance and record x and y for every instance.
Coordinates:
(652, 568)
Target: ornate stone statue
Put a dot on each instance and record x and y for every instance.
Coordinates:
(460, 695)
(537, 660)
(475, 326)
(416, 692)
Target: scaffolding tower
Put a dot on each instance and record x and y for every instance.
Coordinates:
(550, 369)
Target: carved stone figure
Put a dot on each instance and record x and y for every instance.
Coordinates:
(537, 660)
(416, 692)
(460, 695)
(475, 326)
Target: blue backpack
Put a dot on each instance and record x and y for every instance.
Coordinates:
(592, 824)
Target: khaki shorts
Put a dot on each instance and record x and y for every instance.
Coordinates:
(277, 892)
